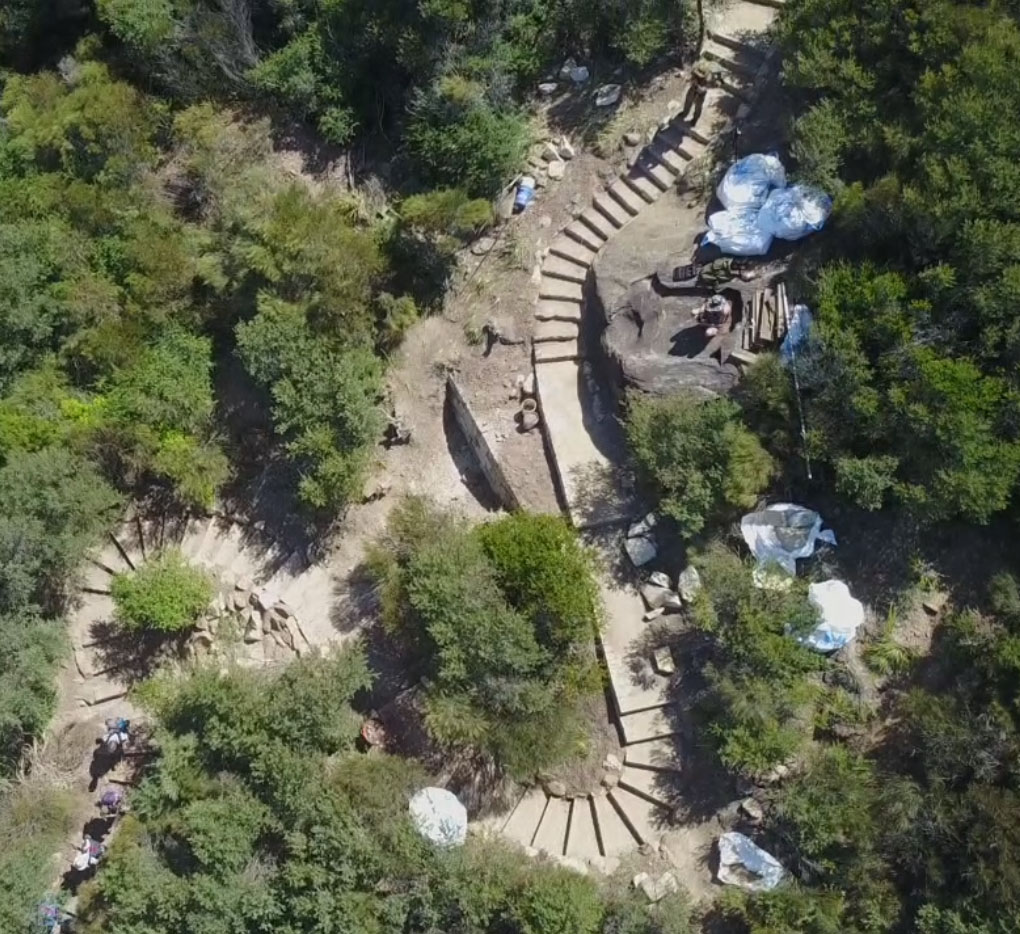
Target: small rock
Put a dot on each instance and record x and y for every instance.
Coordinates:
(557, 170)
(255, 599)
(640, 550)
(659, 580)
(545, 221)
(580, 74)
(482, 246)
(375, 489)
(240, 600)
(776, 775)
(752, 810)
(658, 889)
(547, 88)
(935, 603)
(640, 879)
(643, 527)
(610, 779)
(607, 95)
(612, 763)
(551, 153)
(632, 137)
(528, 386)
(541, 180)
(252, 634)
(689, 584)
(673, 602)
(568, 66)
(282, 610)
(663, 659)
(556, 788)
(243, 583)
(566, 150)
(576, 206)
(654, 596)
(653, 614)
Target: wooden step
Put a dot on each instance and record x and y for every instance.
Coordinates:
(560, 268)
(629, 199)
(742, 71)
(658, 175)
(556, 331)
(94, 578)
(735, 45)
(572, 251)
(638, 181)
(125, 543)
(653, 786)
(598, 222)
(582, 837)
(645, 725)
(645, 820)
(549, 309)
(658, 152)
(523, 824)
(560, 289)
(552, 310)
(661, 755)
(552, 832)
(584, 235)
(557, 351)
(615, 837)
(611, 209)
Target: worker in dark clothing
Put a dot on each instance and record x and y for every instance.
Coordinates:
(702, 78)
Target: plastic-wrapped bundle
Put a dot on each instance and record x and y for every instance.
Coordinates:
(748, 181)
(794, 212)
(738, 233)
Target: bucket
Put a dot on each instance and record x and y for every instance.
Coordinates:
(529, 405)
(525, 192)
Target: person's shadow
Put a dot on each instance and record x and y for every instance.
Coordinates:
(102, 763)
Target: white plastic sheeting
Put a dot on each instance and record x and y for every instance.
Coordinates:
(841, 615)
(759, 207)
(743, 863)
(439, 816)
(798, 332)
(748, 181)
(737, 233)
(779, 535)
(793, 213)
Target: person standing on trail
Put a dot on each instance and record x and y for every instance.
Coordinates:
(111, 802)
(703, 77)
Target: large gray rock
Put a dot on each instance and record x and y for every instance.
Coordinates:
(653, 340)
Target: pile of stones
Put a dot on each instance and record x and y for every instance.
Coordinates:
(258, 630)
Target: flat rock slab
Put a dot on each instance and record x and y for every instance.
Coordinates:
(556, 330)
(581, 447)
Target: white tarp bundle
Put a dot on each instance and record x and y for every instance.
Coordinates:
(737, 233)
(841, 615)
(743, 863)
(780, 534)
(793, 213)
(748, 181)
(759, 207)
(439, 817)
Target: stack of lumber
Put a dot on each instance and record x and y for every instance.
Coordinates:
(764, 322)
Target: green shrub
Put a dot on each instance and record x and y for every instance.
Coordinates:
(165, 594)
(697, 457)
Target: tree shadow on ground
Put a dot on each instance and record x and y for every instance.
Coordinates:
(131, 657)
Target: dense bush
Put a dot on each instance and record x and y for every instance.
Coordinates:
(165, 594)
(503, 619)
(697, 457)
(259, 816)
(906, 111)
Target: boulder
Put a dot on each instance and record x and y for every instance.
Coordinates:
(240, 600)
(752, 810)
(551, 153)
(556, 788)
(640, 550)
(566, 150)
(663, 660)
(632, 137)
(252, 633)
(482, 246)
(557, 170)
(655, 596)
(689, 584)
(607, 95)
